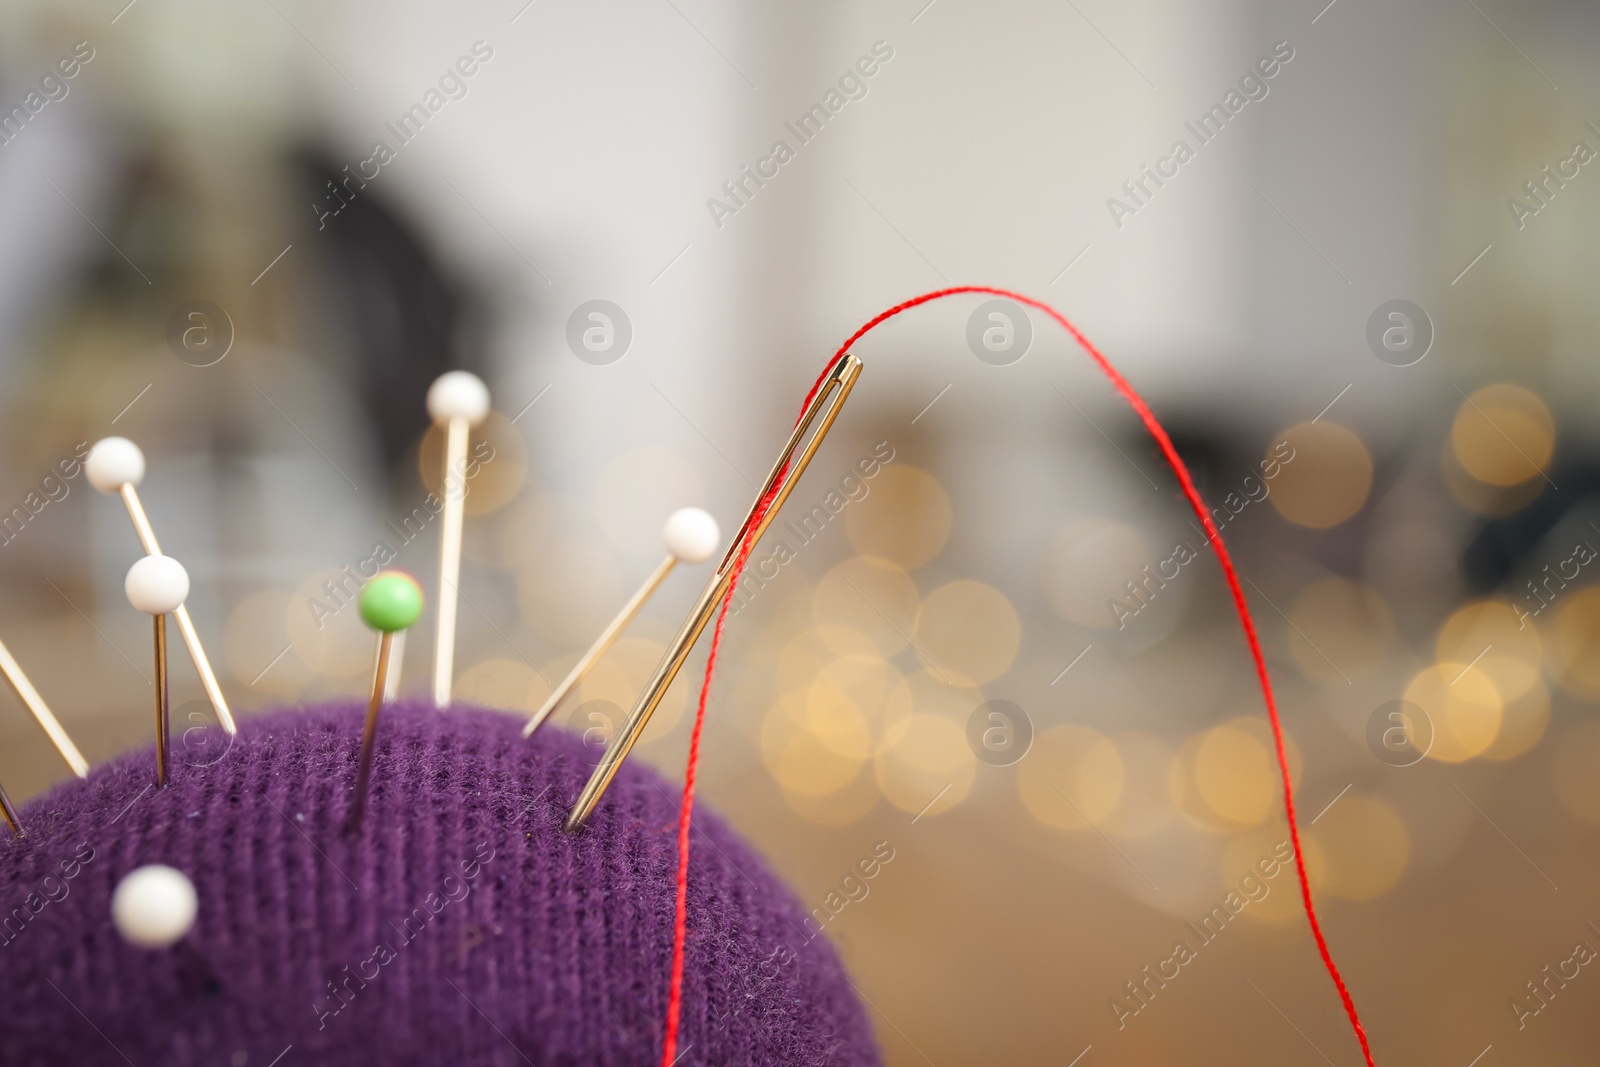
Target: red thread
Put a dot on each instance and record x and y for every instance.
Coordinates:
(1151, 424)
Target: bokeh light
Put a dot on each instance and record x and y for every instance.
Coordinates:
(1326, 479)
(496, 465)
(1085, 565)
(1503, 435)
(1145, 804)
(1226, 778)
(970, 630)
(1263, 854)
(905, 518)
(517, 534)
(1479, 497)
(929, 769)
(510, 684)
(806, 654)
(1235, 775)
(1072, 778)
(326, 629)
(925, 693)
(872, 597)
(1339, 629)
(1572, 770)
(875, 690)
(1574, 644)
(815, 746)
(1463, 705)
(1523, 721)
(1492, 636)
(1362, 848)
(254, 639)
(639, 489)
(620, 677)
(839, 808)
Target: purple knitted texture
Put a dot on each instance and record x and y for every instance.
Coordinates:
(460, 926)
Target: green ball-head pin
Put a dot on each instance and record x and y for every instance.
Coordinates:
(391, 601)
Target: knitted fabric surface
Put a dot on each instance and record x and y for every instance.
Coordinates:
(460, 924)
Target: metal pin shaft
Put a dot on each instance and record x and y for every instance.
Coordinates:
(369, 733)
(391, 681)
(11, 814)
(191, 637)
(444, 649)
(41, 712)
(162, 756)
(786, 473)
(602, 643)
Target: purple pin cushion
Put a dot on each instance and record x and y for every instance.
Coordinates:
(460, 924)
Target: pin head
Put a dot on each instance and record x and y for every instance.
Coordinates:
(458, 394)
(114, 462)
(157, 585)
(154, 906)
(391, 601)
(691, 535)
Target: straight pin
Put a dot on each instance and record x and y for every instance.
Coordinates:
(390, 603)
(460, 401)
(41, 712)
(11, 815)
(691, 535)
(158, 586)
(397, 655)
(116, 465)
(786, 472)
(163, 704)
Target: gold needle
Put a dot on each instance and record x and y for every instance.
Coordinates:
(833, 392)
(691, 535)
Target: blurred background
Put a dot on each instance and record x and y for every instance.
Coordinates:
(248, 236)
